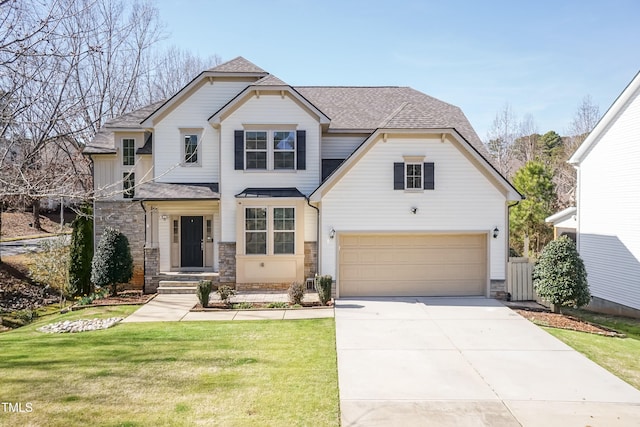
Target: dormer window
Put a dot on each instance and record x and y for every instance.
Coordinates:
(128, 152)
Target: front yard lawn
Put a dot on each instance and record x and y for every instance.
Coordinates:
(621, 356)
(172, 373)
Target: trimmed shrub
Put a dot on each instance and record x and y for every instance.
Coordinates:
(296, 293)
(323, 285)
(277, 304)
(112, 262)
(226, 292)
(81, 253)
(559, 276)
(245, 305)
(203, 292)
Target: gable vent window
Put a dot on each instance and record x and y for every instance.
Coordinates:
(412, 176)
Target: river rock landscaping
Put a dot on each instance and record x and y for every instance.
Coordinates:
(81, 325)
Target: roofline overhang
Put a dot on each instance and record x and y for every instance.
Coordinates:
(147, 122)
(254, 90)
(511, 193)
(559, 216)
(125, 129)
(603, 124)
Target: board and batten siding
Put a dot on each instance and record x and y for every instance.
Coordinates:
(609, 210)
(192, 113)
(340, 147)
(463, 200)
(267, 109)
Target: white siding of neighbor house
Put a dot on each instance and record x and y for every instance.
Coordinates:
(340, 147)
(463, 200)
(268, 109)
(609, 210)
(192, 113)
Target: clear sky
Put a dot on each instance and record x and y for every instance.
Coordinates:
(542, 57)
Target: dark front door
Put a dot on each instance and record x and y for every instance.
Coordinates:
(191, 241)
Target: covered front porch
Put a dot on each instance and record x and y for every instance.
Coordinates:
(182, 229)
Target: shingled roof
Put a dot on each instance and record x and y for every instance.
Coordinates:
(238, 65)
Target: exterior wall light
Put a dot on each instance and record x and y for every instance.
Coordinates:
(414, 210)
(164, 217)
(495, 233)
(332, 233)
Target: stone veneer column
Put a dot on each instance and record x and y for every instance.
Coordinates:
(128, 217)
(151, 270)
(227, 255)
(498, 289)
(310, 259)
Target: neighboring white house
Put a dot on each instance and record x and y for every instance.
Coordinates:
(608, 202)
(244, 179)
(564, 223)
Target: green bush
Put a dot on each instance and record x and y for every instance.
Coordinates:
(112, 262)
(277, 304)
(81, 253)
(203, 292)
(559, 276)
(245, 305)
(296, 293)
(51, 264)
(225, 292)
(323, 285)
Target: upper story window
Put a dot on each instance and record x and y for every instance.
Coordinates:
(191, 148)
(256, 149)
(128, 185)
(191, 141)
(128, 152)
(270, 150)
(413, 176)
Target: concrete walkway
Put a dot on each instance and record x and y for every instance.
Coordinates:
(176, 307)
(467, 362)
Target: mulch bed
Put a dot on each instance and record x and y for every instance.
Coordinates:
(563, 321)
(123, 298)
(217, 306)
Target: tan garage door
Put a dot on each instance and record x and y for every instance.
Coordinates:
(412, 265)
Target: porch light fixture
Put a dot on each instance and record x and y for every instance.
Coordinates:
(495, 233)
(332, 233)
(414, 210)
(164, 217)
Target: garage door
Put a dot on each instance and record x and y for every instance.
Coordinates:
(412, 265)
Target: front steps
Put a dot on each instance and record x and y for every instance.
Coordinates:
(172, 283)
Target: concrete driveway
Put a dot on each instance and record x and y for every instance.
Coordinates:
(466, 362)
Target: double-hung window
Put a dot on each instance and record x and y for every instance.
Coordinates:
(128, 152)
(256, 149)
(190, 149)
(284, 225)
(413, 176)
(284, 149)
(128, 185)
(255, 231)
(269, 231)
(270, 150)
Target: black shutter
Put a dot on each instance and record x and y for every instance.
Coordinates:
(239, 149)
(301, 148)
(429, 176)
(398, 176)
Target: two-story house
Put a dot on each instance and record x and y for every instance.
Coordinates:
(245, 179)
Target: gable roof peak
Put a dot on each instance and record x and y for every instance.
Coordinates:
(238, 65)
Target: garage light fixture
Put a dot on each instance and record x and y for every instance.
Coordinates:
(495, 233)
(332, 233)
(414, 210)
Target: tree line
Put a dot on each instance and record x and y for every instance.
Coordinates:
(537, 166)
(66, 67)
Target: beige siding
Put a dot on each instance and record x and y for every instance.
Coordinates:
(268, 109)
(104, 171)
(412, 265)
(310, 224)
(192, 113)
(609, 209)
(463, 199)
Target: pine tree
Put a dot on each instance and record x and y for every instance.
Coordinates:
(112, 262)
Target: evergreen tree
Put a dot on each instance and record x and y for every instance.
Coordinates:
(535, 182)
(81, 253)
(560, 277)
(112, 262)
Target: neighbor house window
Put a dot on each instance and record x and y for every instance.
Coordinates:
(191, 148)
(128, 185)
(284, 149)
(413, 176)
(255, 231)
(256, 150)
(128, 152)
(284, 225)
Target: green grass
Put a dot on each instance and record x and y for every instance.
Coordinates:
(172, 373)
(620, 356)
